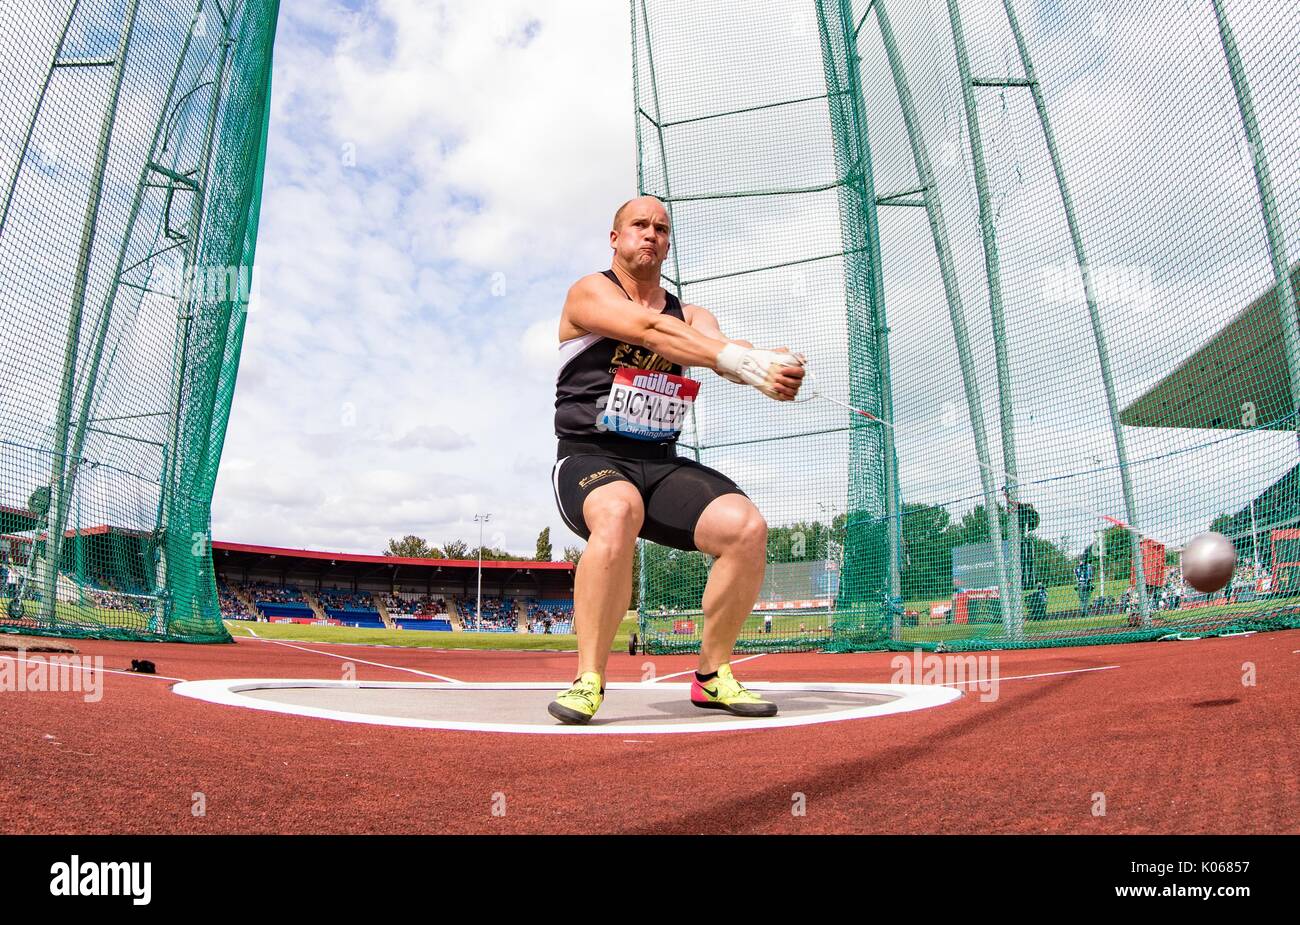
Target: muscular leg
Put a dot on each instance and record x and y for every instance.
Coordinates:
(602, 584)
(732, 530)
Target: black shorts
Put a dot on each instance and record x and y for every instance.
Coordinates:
(674, 490)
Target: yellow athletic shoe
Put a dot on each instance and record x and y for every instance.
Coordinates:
(579, 704)
(726, 693)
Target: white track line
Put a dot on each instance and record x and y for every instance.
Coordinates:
(130, 674)
(406, 648)
(347, 658)
(1023, 677)
(678, 674)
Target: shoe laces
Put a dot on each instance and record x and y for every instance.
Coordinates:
(584, 691)
(728, 686)
(586, 695)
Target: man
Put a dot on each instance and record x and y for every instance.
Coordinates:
(621, 401)
(1038, 603)
(1083, 581)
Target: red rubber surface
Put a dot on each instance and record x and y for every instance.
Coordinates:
(1172, 738)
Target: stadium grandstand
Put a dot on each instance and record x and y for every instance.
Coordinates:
(557, 612)
(282, 585)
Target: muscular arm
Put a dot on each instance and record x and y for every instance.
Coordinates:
(595, 305)
(703, 320)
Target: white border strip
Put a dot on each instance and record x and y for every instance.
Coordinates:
(1026, 677)
(230, 692)
(555, 485)
(691, 671)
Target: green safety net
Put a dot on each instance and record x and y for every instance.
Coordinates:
(1049, 248)
(132, 147)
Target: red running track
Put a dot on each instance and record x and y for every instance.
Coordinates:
(1171, 737)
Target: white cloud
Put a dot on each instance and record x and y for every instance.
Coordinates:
(401, 359)
(431, 437)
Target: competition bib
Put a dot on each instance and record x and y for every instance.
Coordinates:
(647, 406)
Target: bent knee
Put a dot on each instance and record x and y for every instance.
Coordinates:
(752, 531)
(738, 527)
(615, 513)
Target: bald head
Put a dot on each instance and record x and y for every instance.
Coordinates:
(639, 204)
(640, 238)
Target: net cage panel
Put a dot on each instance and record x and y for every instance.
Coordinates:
(132, 145)
(1052, 245)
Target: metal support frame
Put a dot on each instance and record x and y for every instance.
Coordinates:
(1273, 224)
(928, 188)
(59, 470)
(993, 275)
(1030, 81)
(859, 183)
(188, 240)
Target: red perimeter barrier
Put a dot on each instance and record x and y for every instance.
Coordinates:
(1153, 564)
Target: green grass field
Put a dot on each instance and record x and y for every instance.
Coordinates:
(421, 639)
(1172, 619)
(1061, 600)
(84, 614)
(806, 627)
(782, 622)
(783, 626)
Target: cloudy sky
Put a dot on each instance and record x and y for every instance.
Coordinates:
(437, 175)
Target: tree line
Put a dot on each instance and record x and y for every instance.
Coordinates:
(417, 547)
(675, 579)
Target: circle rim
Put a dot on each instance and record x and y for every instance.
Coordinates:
(232, 692)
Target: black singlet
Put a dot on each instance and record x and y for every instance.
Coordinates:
(587, 367)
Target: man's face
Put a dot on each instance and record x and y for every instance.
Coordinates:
(641, 238)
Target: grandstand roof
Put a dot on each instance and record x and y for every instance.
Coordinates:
(16, 519)
(1275, 507)
(12, 518)
(1243, 362)
(346, 557)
